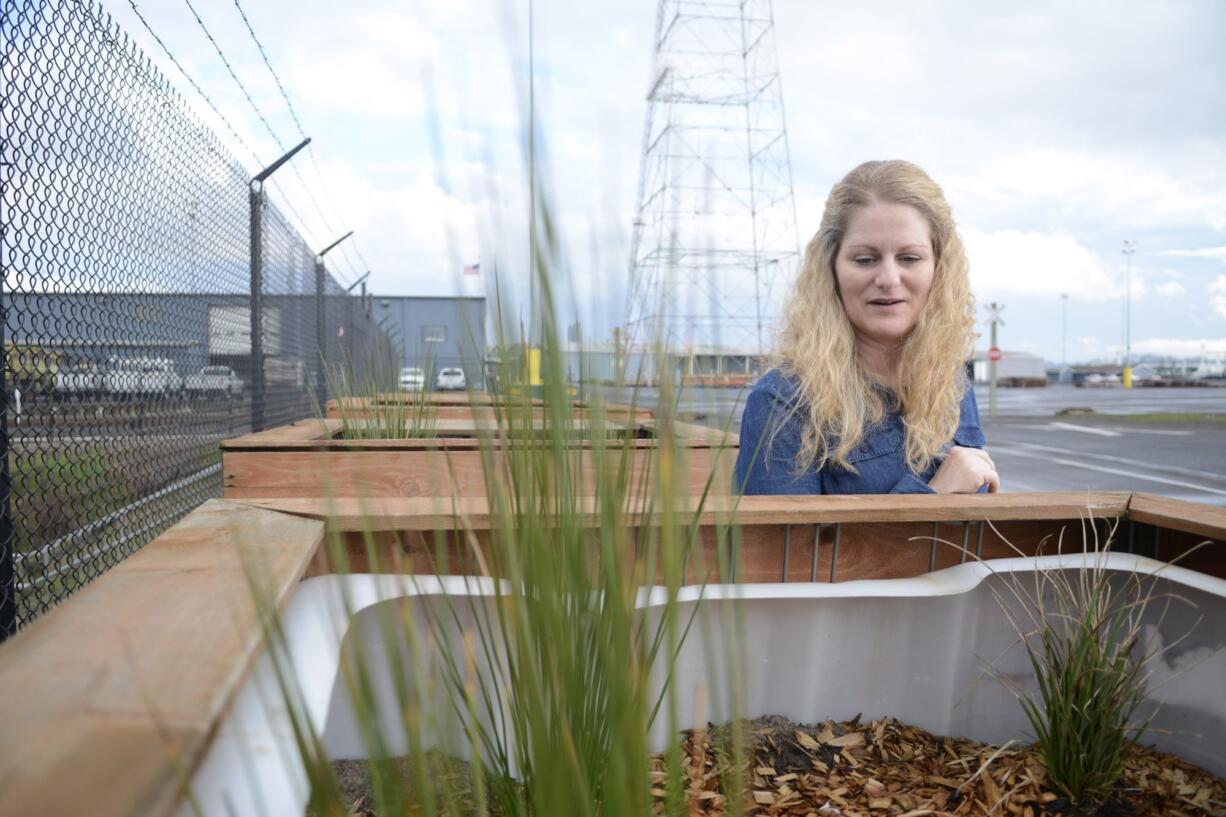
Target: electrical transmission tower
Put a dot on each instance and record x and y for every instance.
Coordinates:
(715, 240)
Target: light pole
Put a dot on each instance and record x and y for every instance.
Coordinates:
(994, 310)
(1130, 248)
(1064, 331)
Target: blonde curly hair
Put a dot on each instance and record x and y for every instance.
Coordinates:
(817, 345)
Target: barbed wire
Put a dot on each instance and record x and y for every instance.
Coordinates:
(268, 64)
(233, 75)
(170, 55)
(301, 131)
(284, 197)
(267, 125)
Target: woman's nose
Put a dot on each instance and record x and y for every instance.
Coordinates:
(888, 274)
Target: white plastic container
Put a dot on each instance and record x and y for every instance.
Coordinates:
(914, 649)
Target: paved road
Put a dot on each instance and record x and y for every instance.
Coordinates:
(1049, 400)
(1186, 461)
(1038, 451)
(723, 406)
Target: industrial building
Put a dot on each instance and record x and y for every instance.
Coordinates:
(94, 330)
(436, 332)
(1013, 369)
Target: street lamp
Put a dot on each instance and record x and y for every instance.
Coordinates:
(1064, 331)
(1130, 248)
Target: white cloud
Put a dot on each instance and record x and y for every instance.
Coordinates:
(1035, 263)
(1180, 347)
(1170, 289)
(1217, 295)
(1216, 253)
(1108, 185)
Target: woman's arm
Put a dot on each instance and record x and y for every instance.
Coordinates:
(770, 439)
(967, 464)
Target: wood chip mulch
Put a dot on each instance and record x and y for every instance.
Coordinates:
(889, 769)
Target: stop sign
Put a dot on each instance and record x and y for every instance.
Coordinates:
(994, 354)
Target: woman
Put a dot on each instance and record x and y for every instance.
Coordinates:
(870, 393)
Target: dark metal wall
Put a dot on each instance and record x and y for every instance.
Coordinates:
(437, 332)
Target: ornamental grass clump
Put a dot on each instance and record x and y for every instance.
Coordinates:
(1083, 631)
(540, 651)
(369, 406)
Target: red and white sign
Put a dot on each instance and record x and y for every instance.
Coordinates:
(994, 354)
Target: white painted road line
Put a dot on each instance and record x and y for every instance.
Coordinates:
(1116, 471)
(1104, 432)
(1143, 465)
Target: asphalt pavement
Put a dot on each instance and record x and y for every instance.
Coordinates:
(1039, 445)
(1181, 460)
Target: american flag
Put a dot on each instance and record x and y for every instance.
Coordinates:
(473, 269)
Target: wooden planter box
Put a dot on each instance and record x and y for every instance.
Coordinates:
(308, 459)
(796, 538)
(468, 406)
(114, 696)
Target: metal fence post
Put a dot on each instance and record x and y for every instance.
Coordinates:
(257, 284)
(8, 584)
(256, 307)
(321, 386)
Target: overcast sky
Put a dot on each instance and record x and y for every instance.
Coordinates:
(1057, 130)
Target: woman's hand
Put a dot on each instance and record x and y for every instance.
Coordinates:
(964, 471)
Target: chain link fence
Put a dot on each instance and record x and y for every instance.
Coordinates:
(129, 255)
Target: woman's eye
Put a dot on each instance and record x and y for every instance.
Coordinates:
(863, 260)
(911, 259)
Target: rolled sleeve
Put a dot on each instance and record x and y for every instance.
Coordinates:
(911, 484)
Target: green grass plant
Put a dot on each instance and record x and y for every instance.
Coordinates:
(370, 405)
(548, 675)
(1083, 633)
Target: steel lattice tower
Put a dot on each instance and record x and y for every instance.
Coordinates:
(715, 238)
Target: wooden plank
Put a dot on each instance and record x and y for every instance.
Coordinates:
(392, 473)
(870, 550)
(388, 473)
(320, 443)
(487, 413)
(299, 432)
(106, 693)
(694, 431)
(1207, 521)
(416, 513)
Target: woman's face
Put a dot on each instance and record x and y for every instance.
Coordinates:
(884, 271)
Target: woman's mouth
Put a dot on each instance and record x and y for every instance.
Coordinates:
(886, 302)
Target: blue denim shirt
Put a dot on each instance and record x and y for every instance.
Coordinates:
(880, 459)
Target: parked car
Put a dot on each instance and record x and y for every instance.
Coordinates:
(80, 381)
(219, 380)
(143, 376)
(450, 379)
(412, 378)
